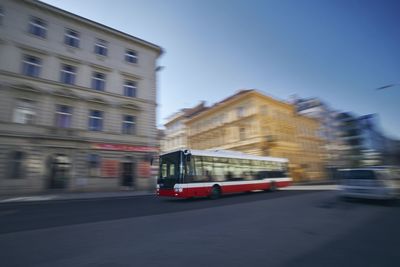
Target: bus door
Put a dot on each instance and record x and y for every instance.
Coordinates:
(195, 176)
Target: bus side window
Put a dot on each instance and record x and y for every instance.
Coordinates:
(207, 168)
(262, 175)
(189, 169)
(229, 176)
(208, 176)
(197, 162)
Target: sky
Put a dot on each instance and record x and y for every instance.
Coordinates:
(336, 50)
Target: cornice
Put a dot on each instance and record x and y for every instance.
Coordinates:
(52, 83)
(131, 75)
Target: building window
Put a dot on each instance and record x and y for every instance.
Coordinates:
(96, 120)
(100, 48)
(24, 112)
(68, 74)
(31, 66)
(240, 112)
(242, 133)
(63, 116)
(131, 56)
(130, 88)
(94, 163)
(128, 124)
(98, 81)
(264, 110)
(71, 38)
(17, 164)
(38, 27)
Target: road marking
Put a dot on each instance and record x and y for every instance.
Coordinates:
(29, 198)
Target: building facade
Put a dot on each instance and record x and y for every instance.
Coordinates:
(364, 142)
(256, 124)
(176, 130)
(329, 129)
(77, 100)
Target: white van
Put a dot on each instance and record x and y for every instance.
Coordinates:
(370, 183)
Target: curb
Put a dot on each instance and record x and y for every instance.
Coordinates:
(72, 197)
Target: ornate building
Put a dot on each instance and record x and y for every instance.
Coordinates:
(176, 129)
(254, 123)
(77, 102)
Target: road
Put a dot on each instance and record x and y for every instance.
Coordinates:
(284, 228)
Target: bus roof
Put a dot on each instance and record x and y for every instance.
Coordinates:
(227, 154)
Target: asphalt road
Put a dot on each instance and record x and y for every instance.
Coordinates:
(285, 228)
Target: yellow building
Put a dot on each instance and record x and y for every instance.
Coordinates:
(254, 123)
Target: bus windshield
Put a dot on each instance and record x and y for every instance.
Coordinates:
(169, 173)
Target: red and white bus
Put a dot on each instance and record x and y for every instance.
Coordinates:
(209, 173)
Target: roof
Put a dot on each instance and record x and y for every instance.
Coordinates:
(238, 95)
(227, 154)
(240, 92)
(187, 112)
(190, 112)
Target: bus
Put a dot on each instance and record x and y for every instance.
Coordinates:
(212, 173)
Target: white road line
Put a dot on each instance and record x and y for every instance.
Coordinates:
(28, 198)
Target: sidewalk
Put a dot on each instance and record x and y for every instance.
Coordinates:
(72, 196)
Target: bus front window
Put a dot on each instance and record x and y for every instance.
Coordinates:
(169, 170)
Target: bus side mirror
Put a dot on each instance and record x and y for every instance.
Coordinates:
(151, 161)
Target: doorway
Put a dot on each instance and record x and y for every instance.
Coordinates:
(59, 168)
(127, 172)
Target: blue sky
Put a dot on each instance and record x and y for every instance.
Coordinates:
(338, 51)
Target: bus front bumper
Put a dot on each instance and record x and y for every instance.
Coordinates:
(162, 192)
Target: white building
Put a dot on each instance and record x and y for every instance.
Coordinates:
(77, 102)
(176, 132)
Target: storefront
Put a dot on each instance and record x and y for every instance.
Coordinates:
(76, 166)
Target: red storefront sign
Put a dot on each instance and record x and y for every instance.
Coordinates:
(119, 147)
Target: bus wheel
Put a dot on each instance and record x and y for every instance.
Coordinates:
(272, 186)
(215, 192)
